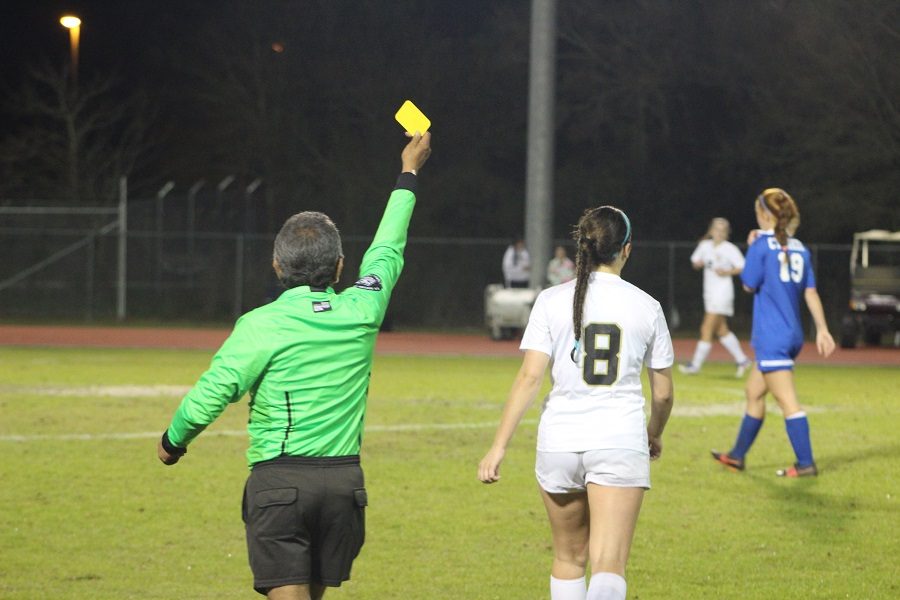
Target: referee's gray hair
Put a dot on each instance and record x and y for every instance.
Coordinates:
(307, 250)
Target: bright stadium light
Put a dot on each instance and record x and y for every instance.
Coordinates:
(73, 24)
(70, 22)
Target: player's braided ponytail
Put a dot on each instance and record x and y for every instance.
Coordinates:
(599, 236)
(582, 274)
(780, 205)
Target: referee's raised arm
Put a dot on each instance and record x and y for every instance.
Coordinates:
(383, 261)
(416, 153)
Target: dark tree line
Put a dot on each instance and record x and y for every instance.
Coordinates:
(676, 110)
(72, 142)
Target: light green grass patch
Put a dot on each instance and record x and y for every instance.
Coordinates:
(101, 518)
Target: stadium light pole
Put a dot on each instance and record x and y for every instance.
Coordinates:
(191, 209)
(73, 24)
(539, 170)
(220, 194)
(249, 222)
(122, 285)
(160, 196)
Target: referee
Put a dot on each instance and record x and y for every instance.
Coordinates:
(305, 360)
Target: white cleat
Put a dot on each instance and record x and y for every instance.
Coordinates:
(742, 368)
(689, 369)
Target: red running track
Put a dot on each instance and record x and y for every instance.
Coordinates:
(388, 343)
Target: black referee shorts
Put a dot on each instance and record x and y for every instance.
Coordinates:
(305, 520)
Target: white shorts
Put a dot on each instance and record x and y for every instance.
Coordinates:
(568, 472)
(719, 306)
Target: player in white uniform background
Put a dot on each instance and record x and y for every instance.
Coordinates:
(594, 446)
(720, 260)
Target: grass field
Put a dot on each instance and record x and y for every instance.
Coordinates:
(87, 511)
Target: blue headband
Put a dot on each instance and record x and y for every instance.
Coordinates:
(627, 237)
(627, 227)
(762, 204)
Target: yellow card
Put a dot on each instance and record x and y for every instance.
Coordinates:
(412, 119)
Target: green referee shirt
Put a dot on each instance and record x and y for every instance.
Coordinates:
(305, 358)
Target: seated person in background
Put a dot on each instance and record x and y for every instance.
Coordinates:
(560, 269)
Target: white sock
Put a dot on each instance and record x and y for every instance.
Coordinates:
(732, 344)
(701, 353)
(567, 589)
(606, 586)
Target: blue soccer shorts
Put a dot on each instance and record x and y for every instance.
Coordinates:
(775, 355)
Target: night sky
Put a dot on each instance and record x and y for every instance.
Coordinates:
(668, 108)
(147, 43)
(125, 38)
(130, 36)
(113, 34)
(676, 111)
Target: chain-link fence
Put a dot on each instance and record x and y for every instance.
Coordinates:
(203, 276)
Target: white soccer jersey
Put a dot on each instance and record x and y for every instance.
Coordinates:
(597, 403)
(718, 290)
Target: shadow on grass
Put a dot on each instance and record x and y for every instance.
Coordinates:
(810, 504)
(838, 462)
(833, 462)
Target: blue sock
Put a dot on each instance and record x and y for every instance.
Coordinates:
(798, 432)
(750, 426)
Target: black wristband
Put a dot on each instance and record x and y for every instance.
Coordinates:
(171, 448)
(406, 181)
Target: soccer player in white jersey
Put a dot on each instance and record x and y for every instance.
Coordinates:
(720, 260)
(777, 273)
(594, 445)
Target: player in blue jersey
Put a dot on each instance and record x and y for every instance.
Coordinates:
(778, 271)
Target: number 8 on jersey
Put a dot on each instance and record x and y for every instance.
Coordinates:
(601, 353)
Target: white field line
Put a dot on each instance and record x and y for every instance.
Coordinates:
(95, 391)
(177, 391)
(141, 435)
(680, 411)
(734, 392)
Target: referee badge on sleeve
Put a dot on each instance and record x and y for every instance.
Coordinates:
(369, 282)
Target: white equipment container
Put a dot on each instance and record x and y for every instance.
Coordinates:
(507, 309)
